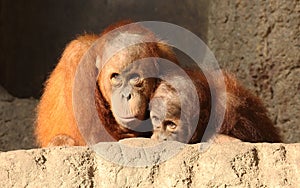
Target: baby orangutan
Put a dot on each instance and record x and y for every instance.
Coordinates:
(173, 110)
(245, 117)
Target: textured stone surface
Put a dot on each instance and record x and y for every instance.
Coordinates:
(55, 167)
(222, 165)
(16, 122)
(260, 42)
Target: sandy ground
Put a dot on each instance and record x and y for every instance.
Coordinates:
(16, 122)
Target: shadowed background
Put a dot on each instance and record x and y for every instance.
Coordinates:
(34, 33)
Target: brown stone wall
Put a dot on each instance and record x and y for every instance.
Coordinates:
(260, 42)
(222, 165)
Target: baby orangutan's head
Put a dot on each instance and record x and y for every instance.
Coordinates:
(180, 114)
(175, 113)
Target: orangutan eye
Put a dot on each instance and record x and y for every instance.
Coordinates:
(170, 125)
(154, 118)
(135, 80)
(114, 75)
(116, 79)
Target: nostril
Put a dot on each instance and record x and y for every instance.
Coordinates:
(128, 97)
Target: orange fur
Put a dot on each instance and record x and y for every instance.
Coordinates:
(55, 111)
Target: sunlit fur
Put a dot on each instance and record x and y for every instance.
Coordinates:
(55, 115)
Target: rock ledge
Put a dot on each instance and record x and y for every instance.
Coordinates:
(221, 165)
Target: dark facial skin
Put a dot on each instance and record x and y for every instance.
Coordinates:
(128, 89)
(130, 96)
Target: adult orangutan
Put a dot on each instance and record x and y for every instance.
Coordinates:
(127, 83)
